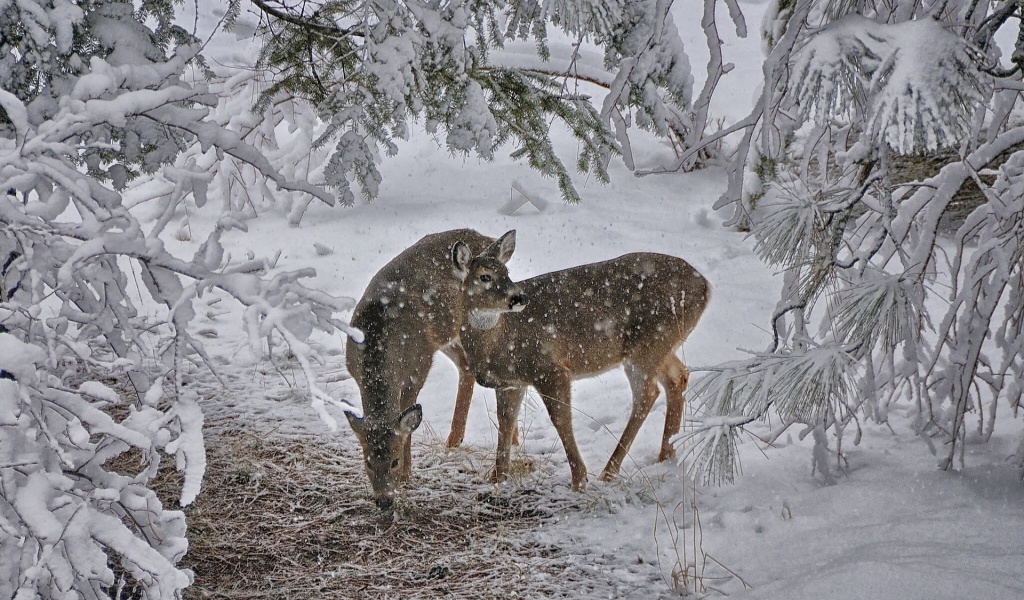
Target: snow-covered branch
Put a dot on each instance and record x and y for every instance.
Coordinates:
(77, 517)
(882, 173)
(483, 76)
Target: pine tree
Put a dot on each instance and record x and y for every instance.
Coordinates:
(897, 285)
(371, 68)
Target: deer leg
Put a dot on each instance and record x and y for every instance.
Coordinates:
(464, 397)
(556, 391)
(509, 402)
(411, 391)
(645, 392)
(674, 378)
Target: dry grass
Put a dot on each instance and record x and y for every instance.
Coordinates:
(288, 514)
(284, 514)
(290, 518)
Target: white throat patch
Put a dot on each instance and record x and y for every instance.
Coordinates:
(484, 318)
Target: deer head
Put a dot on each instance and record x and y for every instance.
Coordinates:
(488, 292)
(383, 445)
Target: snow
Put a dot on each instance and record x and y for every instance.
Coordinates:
(916, 75)
(881, 522)
(474, 126)
(17, 113)
(891, 525)
(188, 447)
(100, 391)
(18, 358)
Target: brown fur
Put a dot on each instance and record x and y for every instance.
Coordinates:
(634, 310)
(410, 310)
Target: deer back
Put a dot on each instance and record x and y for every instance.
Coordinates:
(591, 318)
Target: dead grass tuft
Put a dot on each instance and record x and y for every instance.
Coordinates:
(291, 518)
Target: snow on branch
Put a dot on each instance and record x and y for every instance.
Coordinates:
(801, 385)
(712, 443)
(881, 171)
(77, 458)
(793, 227)
(880, 309)
(65, 513)
(466, 73)
(916, 84)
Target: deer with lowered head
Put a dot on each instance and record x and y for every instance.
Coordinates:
(410, 310)
(547, 331)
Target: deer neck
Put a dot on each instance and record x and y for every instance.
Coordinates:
(484, 320)
(381, 363)
(482, 336)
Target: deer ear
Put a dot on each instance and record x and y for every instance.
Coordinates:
(503, 247)
(356, 423)
(461, 255)
(410, 419)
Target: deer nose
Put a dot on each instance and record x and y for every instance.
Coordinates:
(518, 301)
(384, 503)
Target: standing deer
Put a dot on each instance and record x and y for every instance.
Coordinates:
(410, 310)
(545, 332)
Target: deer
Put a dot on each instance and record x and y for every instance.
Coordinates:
(410, 310)
(546, 332)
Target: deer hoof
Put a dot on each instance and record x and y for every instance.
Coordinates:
(666, 454)
(609, 472)
(452, 442)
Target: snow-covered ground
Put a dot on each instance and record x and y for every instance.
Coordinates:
(893, 526)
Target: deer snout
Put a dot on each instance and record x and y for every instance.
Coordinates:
(384, 503)
(518, 302)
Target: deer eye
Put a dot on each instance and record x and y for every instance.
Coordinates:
(486, 278)
(394, 464)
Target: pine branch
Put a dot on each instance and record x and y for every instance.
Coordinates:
(307, 24)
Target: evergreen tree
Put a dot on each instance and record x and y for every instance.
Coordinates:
(372, 67)
(881, 171)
